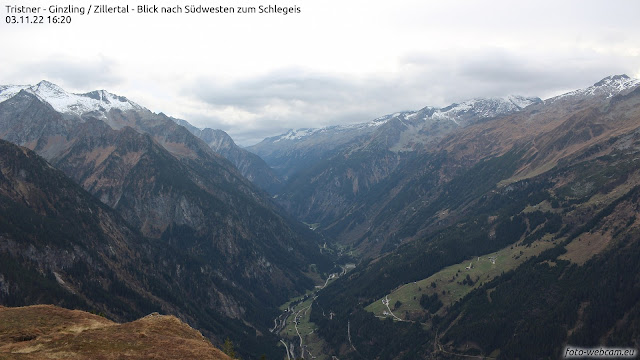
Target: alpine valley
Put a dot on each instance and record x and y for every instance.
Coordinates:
(502, 228)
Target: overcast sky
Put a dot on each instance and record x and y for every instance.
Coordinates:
(335, 62)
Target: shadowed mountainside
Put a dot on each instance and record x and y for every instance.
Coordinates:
(60, 245)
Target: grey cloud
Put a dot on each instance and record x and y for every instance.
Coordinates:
(497, 72)
(303, 100)
(74, 73)
(284, 86)
(304, 114)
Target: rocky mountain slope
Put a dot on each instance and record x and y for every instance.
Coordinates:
(53, 231)
(327, 190)
(60, 245)
(119, 112)
(45, 114)
(250, 165)
(49, 332)
(171, 187)
(159, 176)
(295, 151)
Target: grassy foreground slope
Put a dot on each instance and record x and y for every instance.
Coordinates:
(50, 332)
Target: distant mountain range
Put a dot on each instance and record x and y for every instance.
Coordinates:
(331, 169)
(296, 150)
(336, 173)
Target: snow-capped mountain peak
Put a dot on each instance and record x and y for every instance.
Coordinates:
(99, 101)
(607, 87)
(617, 82)
(521, 101)
(479, 108)
(47, 89)
(296, 134)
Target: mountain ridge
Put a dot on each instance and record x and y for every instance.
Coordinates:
(611, 85)
(560, 198)
(98, 101)
(341, 185)
(250, 165)
(293, 153)
(118, 112)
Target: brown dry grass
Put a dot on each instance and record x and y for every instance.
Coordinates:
(594, 242)
(49, 332)
(585, 247)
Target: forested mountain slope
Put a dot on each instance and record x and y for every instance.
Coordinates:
(561, 176)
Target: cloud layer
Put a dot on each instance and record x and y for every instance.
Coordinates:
(293, 98)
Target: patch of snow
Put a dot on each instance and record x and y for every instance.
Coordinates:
(297, 134)
(520, 101)
(607, 87)
(458, 113)
(9, 91)
(480, 108)
(376, 123)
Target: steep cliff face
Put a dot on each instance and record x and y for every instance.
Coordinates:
(367, 168)
(250, 165)
(32, 123)
(202, 206)
(58, 241)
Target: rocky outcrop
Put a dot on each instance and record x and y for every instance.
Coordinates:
(250, 165)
